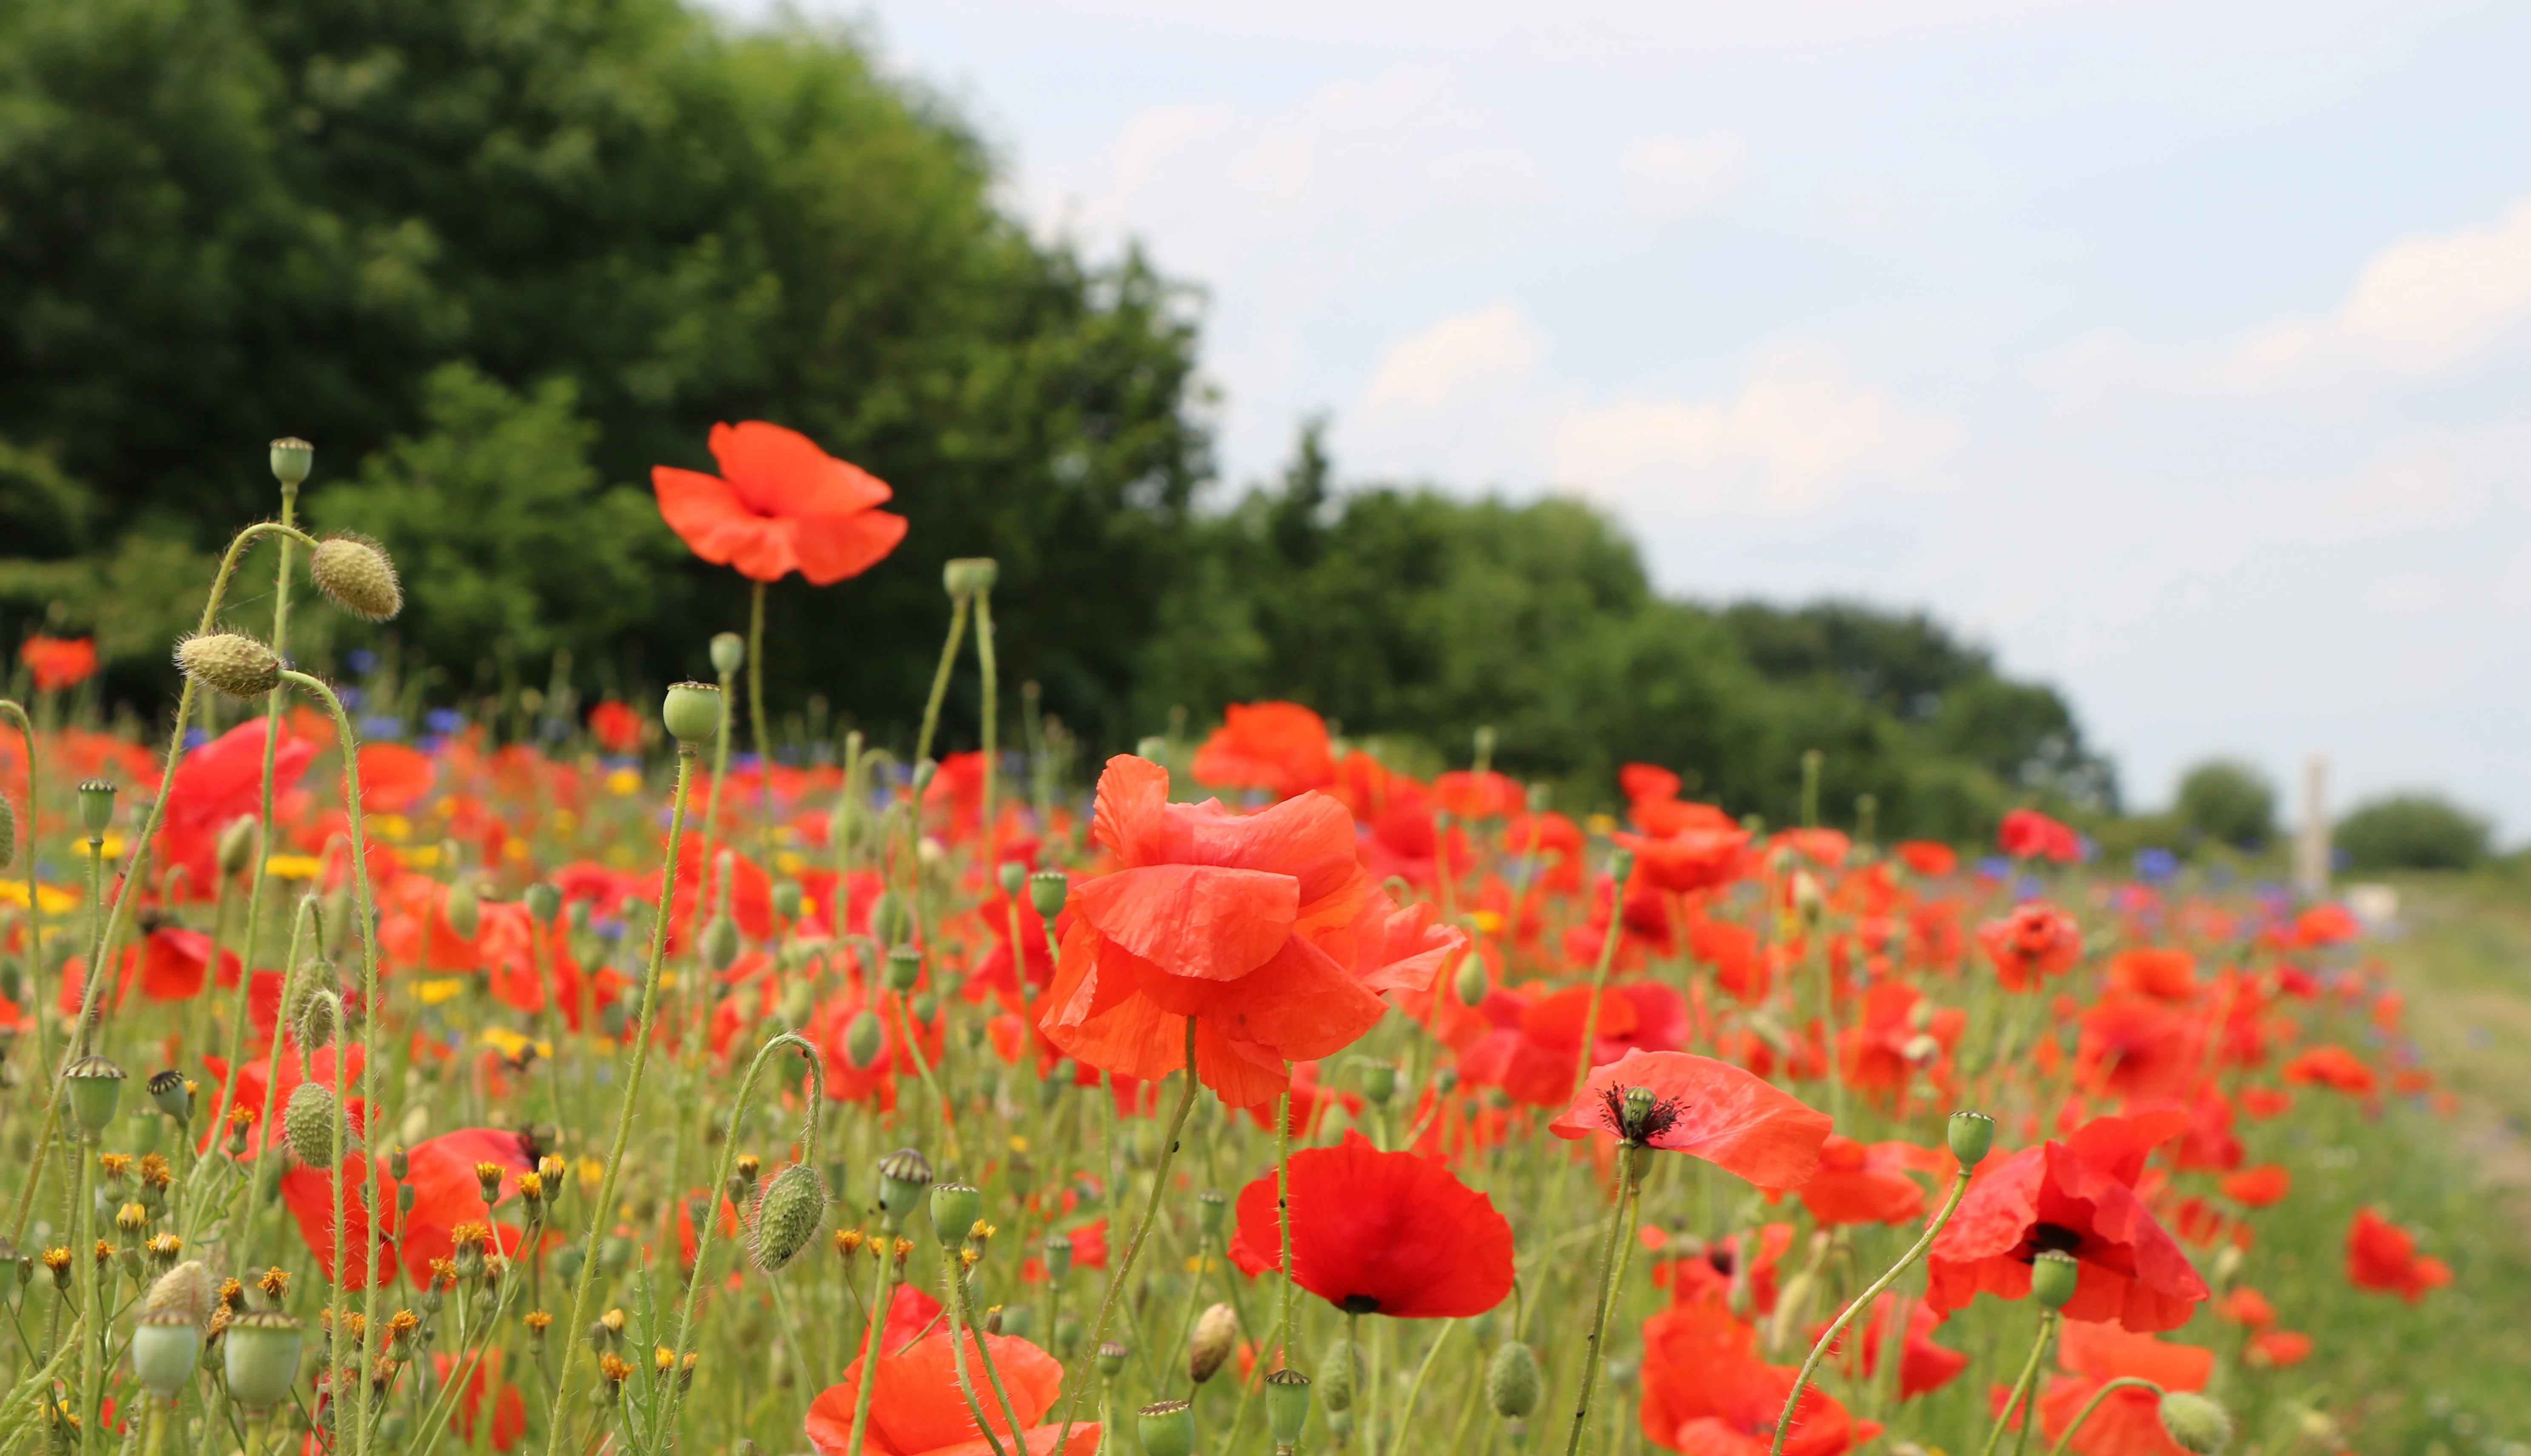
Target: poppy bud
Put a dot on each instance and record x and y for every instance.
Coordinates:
(955, 1208)
(1972, 1136)
(173, 1094)
(230, 662)
(1621, 864)
(2052, 1277)
(1336, 1372)
(260, 1356)
(789, 1207)
(2195, 1424)
(1512, 1382)
(1167, 1429)
(862, 1039)
(236, 848)
(923, 1007)
(464, 910)
(1471, 982)
(307, 1124)
(1287, 1406)
(95, 1088)
(185, 1291)
(889, 920)
(786, 900)
(291, 457)
(903, 1176)
(692, 712)
(1378, 1082)
(356, 573)
(1058, 1256)
(1111, 1360)
(95, 806)
(728, 652)
(904, 968)
(1216, 1333)
(543, 901)
(720, 944)
(1048, 890)
(1810, 902)
(1922, 1050)
(966, 576)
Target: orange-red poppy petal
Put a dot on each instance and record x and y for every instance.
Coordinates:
(1736, 1121)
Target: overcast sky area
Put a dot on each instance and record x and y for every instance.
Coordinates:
(2180, 353)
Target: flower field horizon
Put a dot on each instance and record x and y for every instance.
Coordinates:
(654, 1076)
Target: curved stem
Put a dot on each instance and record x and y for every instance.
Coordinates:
(986, 665)
(1863, 1302)
(755, 713)
(1133, 1247)
(2022, 1386)
(1629, 1186)
(953, 1298)
(603, 1207)
(1406, 1417)
(2122, 1382)
(941, 687)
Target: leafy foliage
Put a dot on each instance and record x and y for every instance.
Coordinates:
(2228, 803)
(2412, 832)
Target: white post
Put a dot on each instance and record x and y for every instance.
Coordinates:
(2311, 837)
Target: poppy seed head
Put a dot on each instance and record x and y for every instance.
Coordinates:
(1637, 1115)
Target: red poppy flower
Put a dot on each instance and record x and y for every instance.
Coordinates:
(2383, 1256)
(2076, 1197)
(509, 1407)
(2037, 939)
(2331, 1066)
(1263, 929)
(2164, 973)
(1480, 796)
(1710, 1109)
(2026, 832)
(1282, 748)
(1898, 1037)
(1648, 781)
(1695, 856)
(446, 1193)
(1922, 1366)
(216, 783)
(2136, 1047)
(917, 1409)
(2129, 1422)
(1859, 1182)
(1379, 1233)
(2258, 1187)
(1710, 1275)
(1706, 1393)
(58, 662)
(617, 728)
(2276, 1349)
(779, 505)
(1534, 1044)
(2326, 925)
(1825, 848)
(295, 1068)
(1926, 858)
(394, 777)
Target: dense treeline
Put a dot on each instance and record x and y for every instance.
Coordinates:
(498, 259)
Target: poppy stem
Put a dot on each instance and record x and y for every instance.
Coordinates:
(2021, 1389)
(1133, 1247)
(756, 719)
(1630, 1183)
(990, 670)
(953, 1298)
(602, 1208)
(2122, 1382)
(875, 1336)
(940, 687)
(1600, 972)
(1283, 1215)
(1862, 1302)
(1406, 1417)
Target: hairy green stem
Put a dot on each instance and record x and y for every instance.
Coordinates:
(1630, 1183)
(2022, 1386)
(940, 685)
(1415, 1391)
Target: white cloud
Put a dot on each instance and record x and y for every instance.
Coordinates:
(2425, 308)
(1797, 434)
(1461, 357)
(1668, 179)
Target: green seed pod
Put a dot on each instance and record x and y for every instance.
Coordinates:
(1212, 1212)
(95, 806)
(543, 901)
(1111, 1360)
(1012, 876)
(903, 1177)
(862, 1039)
(1167, 1429)
(728, 652)
(1471, 984)
(261, 1358)
(356, 573)
(230, 662)
(889, 920)
(1058, 1256)
(1018, 1321)
(1287, 1406)
(307, 1124)
(787, 898)
(166, 1350)
(1512, 1382)
(790, 1207)
(1048, 890)
(1378, 1082)
(1972, 1137)
(692, 712)
(904, 968)
(966, 576)
(1337, 1373)
(2195, 1424)
(464, 910)
(720, 943)
(1215, 1335)
(96, 1088)
(955, 1208)
(2052, 1277)
(168, 1090)
(291, 457)
(237, 845)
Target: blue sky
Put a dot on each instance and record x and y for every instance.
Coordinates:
(2180, 353)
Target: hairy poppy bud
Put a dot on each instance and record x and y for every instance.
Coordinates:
(464, 910)
(904, 968)
(890, 921)
(356, 573)
(1048, 890)
(261, 1355)
(1167, 1429)
(728, 652)
(236, 843)
(544, 901)
(966, 576)
(1378, 1082)
(95, 806)
(307, 1124)
(1336, 1371)
(1621, 864)
(230, 662)
(903, 1176)
(2195, 1424)
(692, 712)
(1216, 1333)
(787, 897)
(2052, 1277)
(292, 459)
(720, 942)
(789, 1207)
(1512, 1382)
(173, 1094)
(1972, 1135)
(1111, 1359)
(185, 1291)
(862, 1039)
(1287, 1406)
(955, 1208)
(1810, 902)
(95, 1088)
(1471, 982)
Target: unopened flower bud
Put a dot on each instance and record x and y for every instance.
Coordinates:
(1471, 984)
(2052, 1277)
(1336, 1371)
(1216, 1333)
(2197, 1426)
(1012, 876)
(1972, 1136)
(1810, 902)
(720, 944)
(1048, 890)
(1167, 1429)
(728, 652)
(692, 712)
(307, 1124)
(230, 662)
(1512, 1382)
(787, 898)
(236, 848)
(789, 1207)
(356, 573)
(1378, 1082)
(862, 1039)
(890, 920)
(464, 910)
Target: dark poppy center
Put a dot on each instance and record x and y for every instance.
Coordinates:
(1719, 1257)
(1360, 1303)
(2054, 1238)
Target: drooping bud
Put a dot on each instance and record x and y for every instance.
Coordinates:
(903, 1177)
(357, 573)
(1287, 1406)
(1167, 1429)
(1512, 1382)
(1336, 1380)
(236, 851)
(790, 1207)
(95, 806)
(2052, 1277)
(1471, 984)
(1216, 1333)
(230, 662)
(862, 1039)
(692, 712)
(966, 576)
(1972, 1136)
(728, 652)
(307, 1124)
(720, 944)
(1048, 890)
(2197, 1426)
(292, 459)
(261, 1355)
(96, 1088)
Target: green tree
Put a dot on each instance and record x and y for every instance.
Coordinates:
(2229, 803)
(2412, 832)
